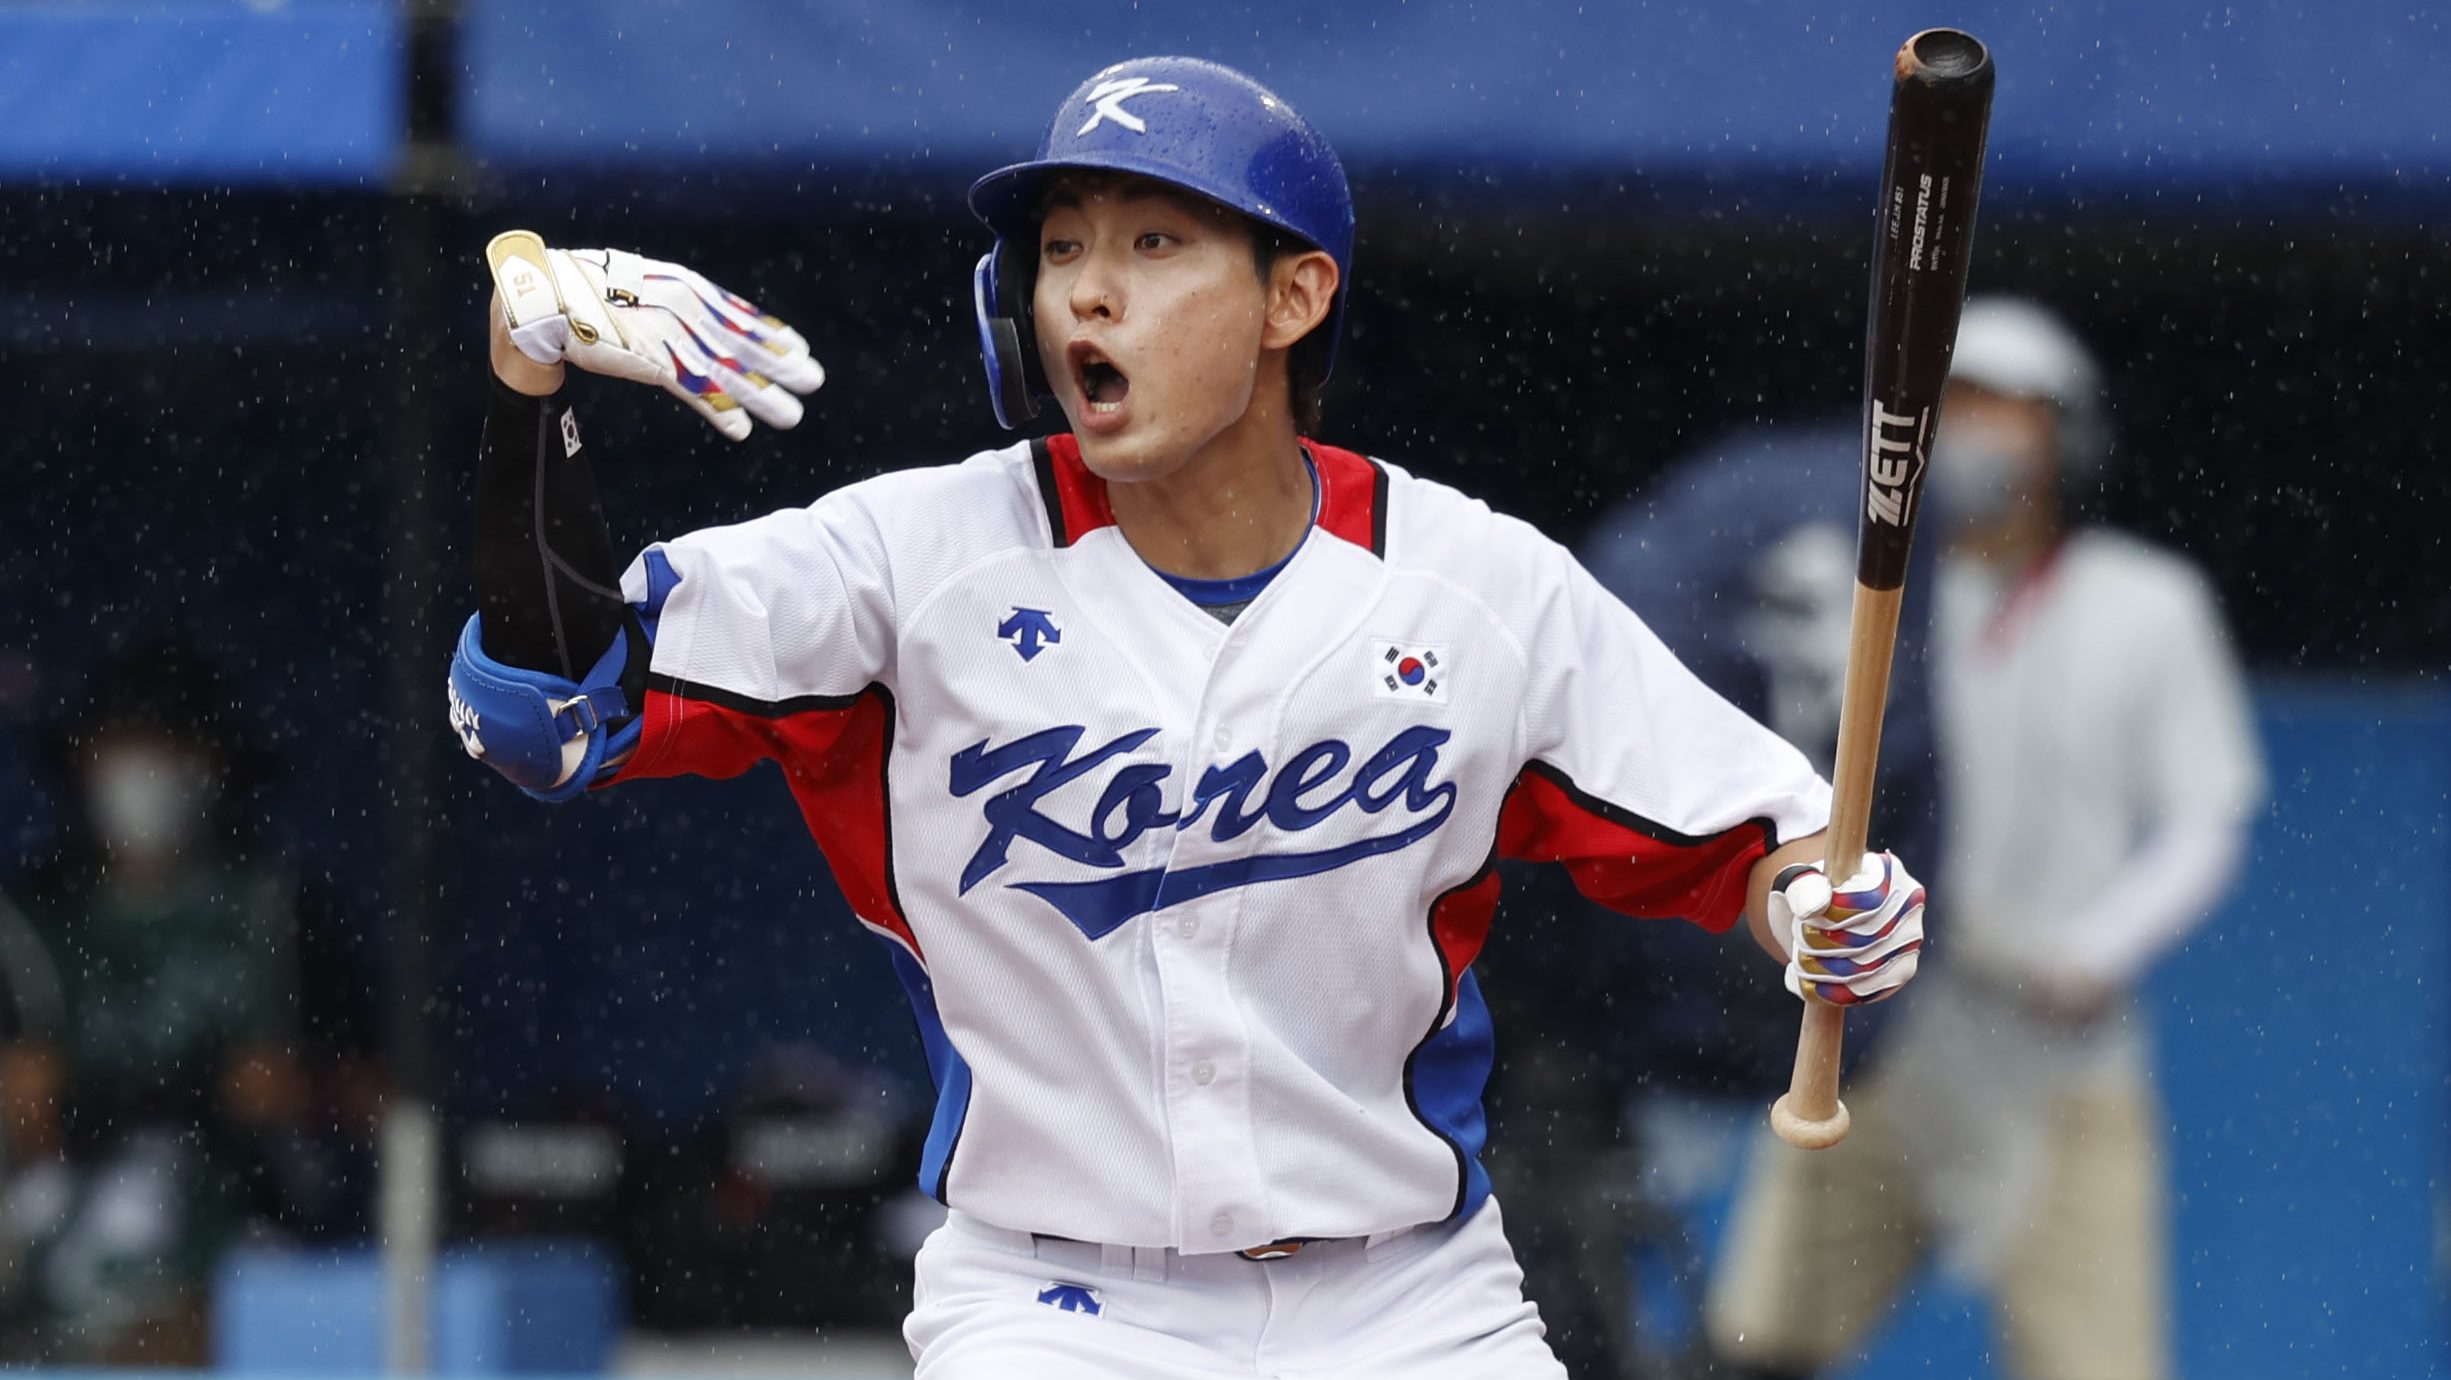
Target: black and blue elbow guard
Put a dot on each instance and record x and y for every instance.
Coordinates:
(546, 734)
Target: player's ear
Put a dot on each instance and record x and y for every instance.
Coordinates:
(1301, 289)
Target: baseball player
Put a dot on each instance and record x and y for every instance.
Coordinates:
(1170, 756)
(2093, 729)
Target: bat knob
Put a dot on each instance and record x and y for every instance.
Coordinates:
(1808, 1133)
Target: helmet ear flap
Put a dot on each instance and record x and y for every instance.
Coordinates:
(1007, 336)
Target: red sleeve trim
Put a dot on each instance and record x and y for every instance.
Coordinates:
(835, 751)
(1626, 862)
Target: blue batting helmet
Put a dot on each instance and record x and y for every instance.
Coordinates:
(1196, 125)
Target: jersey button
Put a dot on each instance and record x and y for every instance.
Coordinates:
(1204, 1073)
(1222, 1224)
(1225, 737)
(1189, 928)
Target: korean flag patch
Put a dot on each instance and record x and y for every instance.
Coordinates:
(1411, 671)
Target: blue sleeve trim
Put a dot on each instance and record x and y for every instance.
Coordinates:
(662, 580)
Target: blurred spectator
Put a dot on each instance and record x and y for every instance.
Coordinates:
(1632, 1054)
(192, 1065)
(2101, 770)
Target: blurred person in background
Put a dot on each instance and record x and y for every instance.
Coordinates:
(1741, 556)
(2094, 734)
(192, 1062)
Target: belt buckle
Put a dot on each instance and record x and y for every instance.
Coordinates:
(1274, 1250)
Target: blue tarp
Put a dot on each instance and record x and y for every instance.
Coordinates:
(2090, 93)
(201, 91)
(2303, 1037)
(2296, 97)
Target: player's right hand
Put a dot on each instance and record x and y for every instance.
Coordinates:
(611, 312)
(1858, 942)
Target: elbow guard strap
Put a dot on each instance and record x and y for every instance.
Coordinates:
(545, 734)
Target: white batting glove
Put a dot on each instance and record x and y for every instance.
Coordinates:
(1854, 944)
(609, 311)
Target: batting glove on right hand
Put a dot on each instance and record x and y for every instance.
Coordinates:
(611, 312)
(1852, 945)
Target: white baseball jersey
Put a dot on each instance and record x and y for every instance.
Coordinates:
(1188, 910)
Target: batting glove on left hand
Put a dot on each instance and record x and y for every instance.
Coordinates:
(612, 312)
(1852, 945)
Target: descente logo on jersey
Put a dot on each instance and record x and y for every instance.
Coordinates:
(1030, 631)
(1312, 787)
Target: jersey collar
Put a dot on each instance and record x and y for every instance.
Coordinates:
(1352, 493)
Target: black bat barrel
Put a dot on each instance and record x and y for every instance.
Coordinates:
(1931, 178)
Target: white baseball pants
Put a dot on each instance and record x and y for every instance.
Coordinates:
(1442, 1302)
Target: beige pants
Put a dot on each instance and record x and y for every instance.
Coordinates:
(1822, 1241)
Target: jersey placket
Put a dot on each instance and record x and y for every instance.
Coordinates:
(1220, 1201)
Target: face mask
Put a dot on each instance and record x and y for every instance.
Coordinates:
(146, 801)
(1977, 478)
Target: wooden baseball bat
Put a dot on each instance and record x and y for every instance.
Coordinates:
(1939, 113)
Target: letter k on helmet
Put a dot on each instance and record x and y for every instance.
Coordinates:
(1107, 98)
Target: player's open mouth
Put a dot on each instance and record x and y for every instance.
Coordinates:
(1103, 386)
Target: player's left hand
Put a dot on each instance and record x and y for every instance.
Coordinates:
(609, 311)
(1852, 944)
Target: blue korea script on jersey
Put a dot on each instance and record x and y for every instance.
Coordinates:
(1307, 791)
